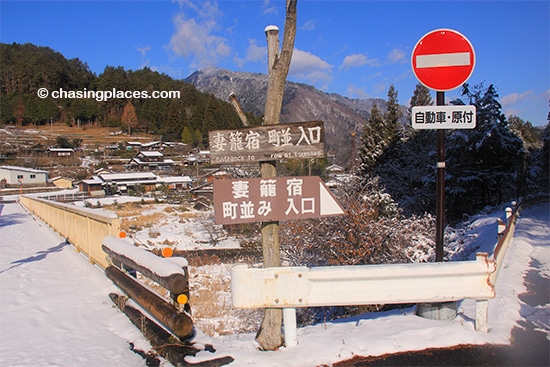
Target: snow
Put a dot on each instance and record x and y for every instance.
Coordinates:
(55, 309)
(158, 265)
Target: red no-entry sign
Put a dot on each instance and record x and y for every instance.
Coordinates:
(443, 59)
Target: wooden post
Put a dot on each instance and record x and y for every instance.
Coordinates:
(178, 323)
(235, 102)
(269, 335)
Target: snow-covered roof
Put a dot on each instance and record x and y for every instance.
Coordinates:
(93, 181)
(151, 153)
(175, 179)
(22, 169)
(154, 163)
(335, 167)
(61, 149)
(152, 143)
(127, 176)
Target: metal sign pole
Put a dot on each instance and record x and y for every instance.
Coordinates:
(440, 186)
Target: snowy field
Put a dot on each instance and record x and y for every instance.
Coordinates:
(55, 309)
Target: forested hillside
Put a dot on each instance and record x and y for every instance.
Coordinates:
(25, 68)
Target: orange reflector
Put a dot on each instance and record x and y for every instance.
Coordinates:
(167, 252)
(182, 299)
(122, 234)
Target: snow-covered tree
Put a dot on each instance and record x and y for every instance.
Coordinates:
(405, 167)
(393, 114)
(482, 162)
(373, 231)
(421, 96)
(374, 141)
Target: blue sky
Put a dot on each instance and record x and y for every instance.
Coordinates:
(354, 48)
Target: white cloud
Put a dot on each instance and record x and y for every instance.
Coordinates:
(196, 38)
(254, 53)
(204, 9)
(397, 55)
(308, 26)
(357, 60)
(267, 8)
(512, 99)
(352, 61)
(143, 50)
(309, 67)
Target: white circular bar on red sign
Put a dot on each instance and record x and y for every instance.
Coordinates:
(443, 59)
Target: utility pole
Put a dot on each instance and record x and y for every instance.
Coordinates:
(269, 335)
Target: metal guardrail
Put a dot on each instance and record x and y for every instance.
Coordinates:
(291, 287)
(283, 287)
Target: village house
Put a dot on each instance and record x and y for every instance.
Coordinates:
(197, 158)
(62, 182)
(92, 186)
(178, 183)
(149, 160)
(106, 183)
(60, 152)
(122, 182)
(12, 176)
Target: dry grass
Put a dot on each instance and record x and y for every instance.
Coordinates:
(89, 133)
(210, 300)
(133, 219)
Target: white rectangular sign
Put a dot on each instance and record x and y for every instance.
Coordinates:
(443, 117)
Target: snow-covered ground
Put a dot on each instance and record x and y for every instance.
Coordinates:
(55, 309)
(173, 227)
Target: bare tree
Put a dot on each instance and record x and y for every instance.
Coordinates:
(269, 335)
(129, 117)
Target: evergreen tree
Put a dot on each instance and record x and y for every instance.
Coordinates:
(405, 169)
(373, 141)
(421, 96)
(482, 162)
(393, 115)
(198, 139)
(186, 136)
(526, 132)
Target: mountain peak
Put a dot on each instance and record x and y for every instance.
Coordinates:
(342, 116)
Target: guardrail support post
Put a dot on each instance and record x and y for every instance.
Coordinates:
(289, 324)
(482, 315)
(509, 212)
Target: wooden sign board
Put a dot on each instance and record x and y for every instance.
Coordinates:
(272, 199)
(302, 140)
